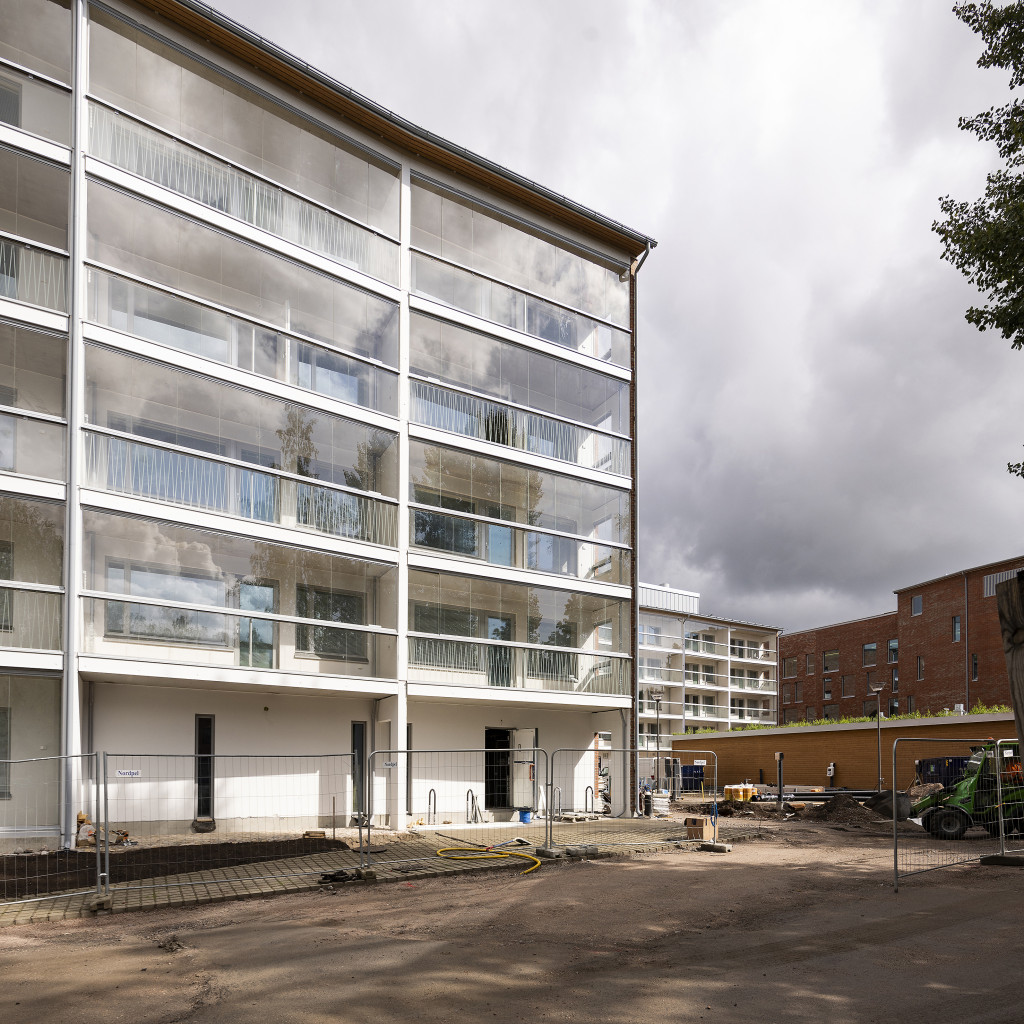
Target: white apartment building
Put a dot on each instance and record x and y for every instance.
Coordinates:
(316, 430)
(700, 671)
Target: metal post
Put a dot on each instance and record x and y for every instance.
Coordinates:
(779, 755)
(999, 798)
(878, 722)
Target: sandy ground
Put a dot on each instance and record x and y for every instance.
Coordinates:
(800, 927)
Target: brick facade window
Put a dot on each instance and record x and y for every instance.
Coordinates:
(788, 668)
(810, 664)
(869, 655)
(894, 651)
(847, 687)
(830, 711)
(810, 714)
(830, 661)
(916, 604)
(787, 693)
(974, 668)
(920, 666)
(826, 688)
(956, 629)
(895, 680)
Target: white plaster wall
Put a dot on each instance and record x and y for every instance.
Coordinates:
(281, 761)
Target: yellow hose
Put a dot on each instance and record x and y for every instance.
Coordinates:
(470, 854)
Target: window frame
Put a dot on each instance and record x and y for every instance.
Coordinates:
(917, 604)
(869, 651)
(830, 660)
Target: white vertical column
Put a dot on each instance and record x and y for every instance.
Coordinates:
(71, 704)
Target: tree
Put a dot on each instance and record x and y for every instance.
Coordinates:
(984, 240)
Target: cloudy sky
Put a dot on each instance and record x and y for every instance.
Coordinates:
(818, 423)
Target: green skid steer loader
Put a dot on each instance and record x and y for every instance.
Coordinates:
(974, 798)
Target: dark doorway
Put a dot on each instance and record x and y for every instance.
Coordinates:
(204, 767)
(497, 768)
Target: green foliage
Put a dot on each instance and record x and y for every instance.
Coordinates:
(984, 239)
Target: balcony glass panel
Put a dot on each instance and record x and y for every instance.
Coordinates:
(150, 154)
(34, 276)
(31, 540)
(34, 105)
(31, 447)
(464, 414)
(483, 240)
(37, 35)
(449, 605)
(34, 199)
(192, 101)
(159, 403)
(508, 307)
(30, 619)
(187, 326)
(511, 373)
(32, 369)
(194, 595)
(467, 663)
(167, 249)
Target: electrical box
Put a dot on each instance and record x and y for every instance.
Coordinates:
(830, 771)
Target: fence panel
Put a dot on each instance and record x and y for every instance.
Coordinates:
(476, 798)
(40, 857)
(186, 819)
(594, 804)
(954, 803)
(1010, 784)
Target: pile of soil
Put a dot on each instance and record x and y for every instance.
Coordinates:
(841, 810)
(34, 874)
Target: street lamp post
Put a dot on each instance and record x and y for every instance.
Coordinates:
(876, 689)
(656, 695)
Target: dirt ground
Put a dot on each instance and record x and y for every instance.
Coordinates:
(802, 926)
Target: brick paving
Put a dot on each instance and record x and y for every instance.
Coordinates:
(395, 858)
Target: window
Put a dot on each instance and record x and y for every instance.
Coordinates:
(810, 664)
(331, 606)
(788, 668)
(916, 604)
(920, 666)
(846, 684)
(869, 708)
(796, 692)
(894, 706)
(157, 622)
(787, 693)
(910, 705)
(830, 711)
(974, 668)
(790, 715)
(894, 651)
(872, 679)
(5, 753)
(830, 661)
(868, 655)
(956, 629)
(826, 689)
(650, 636)
(895, 680)
(810, 715)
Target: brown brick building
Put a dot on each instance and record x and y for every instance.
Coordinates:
(940, 648)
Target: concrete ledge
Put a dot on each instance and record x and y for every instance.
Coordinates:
(1009, 860)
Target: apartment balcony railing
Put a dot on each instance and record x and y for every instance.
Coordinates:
(706, 711)
(511, 666)
(716, 680)
(755, 685)
(712, 647)
(461, 413)
(501, 304)
(219, 185)
(499, 542)
(172, 631)
(751, 715)
(114, 463)
(31, 619)
(33, 275)
(189, 326)
(32, 445)
(751, 653)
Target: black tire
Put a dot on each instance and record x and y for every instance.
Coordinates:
(949, 823)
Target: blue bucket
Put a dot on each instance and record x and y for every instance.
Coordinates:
(526, 816)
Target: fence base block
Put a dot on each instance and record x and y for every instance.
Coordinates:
(579, 852)
(98, 903)
(1008, 860)
(549, 852)
(716, 847)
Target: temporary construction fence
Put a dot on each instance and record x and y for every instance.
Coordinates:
(966, 801)
(38, 853)
(136, 823)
